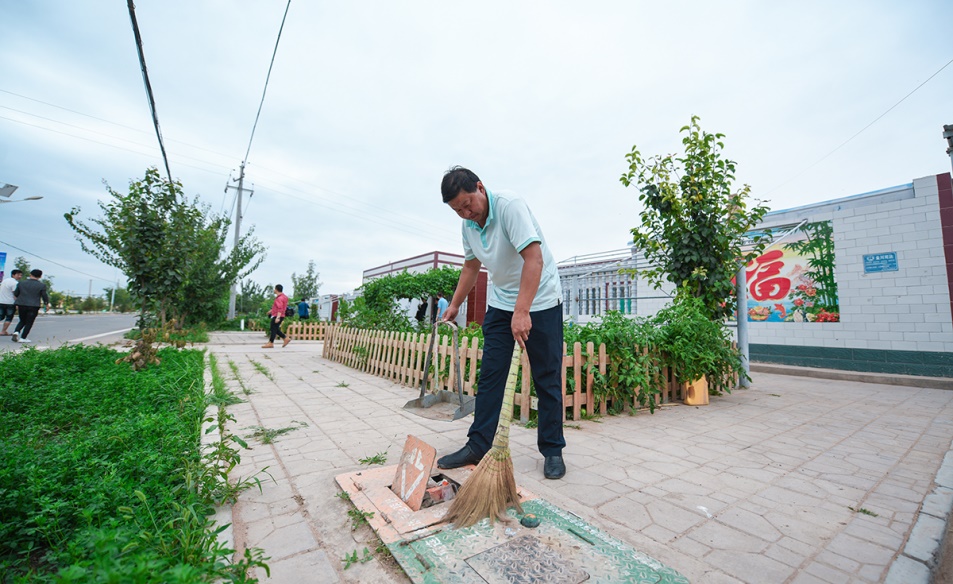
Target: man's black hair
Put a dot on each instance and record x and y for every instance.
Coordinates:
(458, 179)
(15, 272)
(279, 288)
(36, 273)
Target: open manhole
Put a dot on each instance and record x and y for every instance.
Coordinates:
(563, 549)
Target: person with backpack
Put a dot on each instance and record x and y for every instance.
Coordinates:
(303, 309)
(277, 313)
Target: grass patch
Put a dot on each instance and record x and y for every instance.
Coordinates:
(238, 377)
(343, 384)
(102, 477)
(261, 369)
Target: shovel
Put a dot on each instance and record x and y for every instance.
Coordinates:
(426, 400)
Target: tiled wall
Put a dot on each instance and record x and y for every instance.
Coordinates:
(905, 310)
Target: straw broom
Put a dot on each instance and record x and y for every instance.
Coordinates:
(491, 488)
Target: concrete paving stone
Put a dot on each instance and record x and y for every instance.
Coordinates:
(907, 571)
(784, 555)
(925, 539)
(627, 512)
(280, 542)
(838, 561)
(879, 533)
(860, 550)
(938, 503)
(750, 567)
(660, 534)
(805, 578)
(826, 573)
(717, 535)
(751, 523)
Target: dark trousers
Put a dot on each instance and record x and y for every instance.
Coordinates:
(27, 316)
(276, 329)
(545, 351)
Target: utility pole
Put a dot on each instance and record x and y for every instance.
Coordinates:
(948, 134)
(238, 227)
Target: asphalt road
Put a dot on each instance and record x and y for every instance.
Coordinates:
(54, 330)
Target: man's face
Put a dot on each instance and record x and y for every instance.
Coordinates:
(277, 291)
(472, 206)
(17, 276)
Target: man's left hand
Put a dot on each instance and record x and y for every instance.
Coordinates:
(521, 325)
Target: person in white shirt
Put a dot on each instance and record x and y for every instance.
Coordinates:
(8, 300)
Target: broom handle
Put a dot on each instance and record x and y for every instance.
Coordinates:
(502, 437)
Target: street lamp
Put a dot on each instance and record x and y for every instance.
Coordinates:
(21, 200)
(7, 190)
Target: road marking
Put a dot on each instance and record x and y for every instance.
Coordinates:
(99, 335)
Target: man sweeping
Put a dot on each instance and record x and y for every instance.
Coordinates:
(525, 307)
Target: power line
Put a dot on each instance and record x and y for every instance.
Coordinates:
(267, 78)
(859, 132)
(145, 79)
(52, 262)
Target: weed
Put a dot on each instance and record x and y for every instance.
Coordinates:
(775, 394)
(343, 495)
(531, 423)
(261, 369)
(379, 458)
(573, 426)
(343, 384)
(238, 377)
(359, 518)
(594, 417)
(864, 511)
(350, 559)
(220, 393)
(268, 435)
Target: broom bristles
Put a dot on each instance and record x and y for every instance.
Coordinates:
(491, 488)
(488, 492)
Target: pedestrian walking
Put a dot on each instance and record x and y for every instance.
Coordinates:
(277, 314)
(29, 294)
(8, 301)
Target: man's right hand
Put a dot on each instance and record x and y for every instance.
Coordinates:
(450, 313)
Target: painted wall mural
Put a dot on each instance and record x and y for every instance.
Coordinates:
(793, 281)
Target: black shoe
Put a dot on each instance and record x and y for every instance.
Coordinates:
(461, 457)
(554, 467)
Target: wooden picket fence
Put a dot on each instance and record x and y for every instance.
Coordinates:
(300, 330)
(400, 357)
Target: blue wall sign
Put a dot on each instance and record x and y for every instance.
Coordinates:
(881, 262)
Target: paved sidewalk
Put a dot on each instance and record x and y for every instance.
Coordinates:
(794, 480)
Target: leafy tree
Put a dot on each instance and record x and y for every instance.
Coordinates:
(122, 302)
(251, 297)
(693, 222)
(171, 250)
(21, 264)
(306, 285)
(377, 307)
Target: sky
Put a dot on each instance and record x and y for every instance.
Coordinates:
(368, 103)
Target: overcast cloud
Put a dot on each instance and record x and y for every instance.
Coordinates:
(369, 102)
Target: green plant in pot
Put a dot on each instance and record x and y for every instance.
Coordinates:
(696, 346)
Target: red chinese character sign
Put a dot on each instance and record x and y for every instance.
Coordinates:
(793, 281)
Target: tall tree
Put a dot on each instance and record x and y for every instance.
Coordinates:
(694, 220)
(306, 285)
(171, 250)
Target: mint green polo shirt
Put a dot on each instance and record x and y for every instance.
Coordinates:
(510, 227)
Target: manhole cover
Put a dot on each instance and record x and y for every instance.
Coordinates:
(525, 560)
